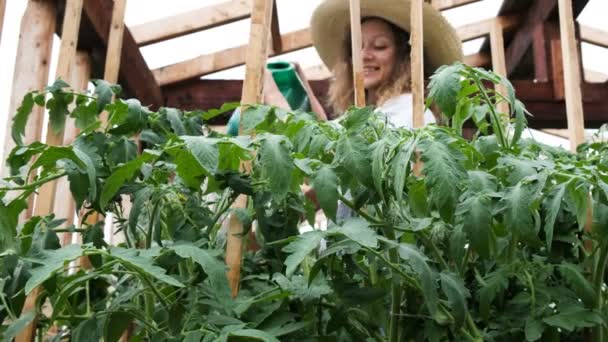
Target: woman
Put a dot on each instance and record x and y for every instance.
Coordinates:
(385, 53)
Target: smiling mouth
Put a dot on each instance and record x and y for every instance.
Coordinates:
(370, 69)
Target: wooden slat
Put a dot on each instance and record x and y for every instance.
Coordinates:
(417, 62)
(31, 70)
(137, 79)
(498, 60)
(355, 29)
(538, 13)
(2, 8)
(79, 79)
(572, 76)
(209, 63)
(478, 59)
(191, 21)
(252, 93)
(275, 30)
(483, 28)
(116, 35)
(594, 36)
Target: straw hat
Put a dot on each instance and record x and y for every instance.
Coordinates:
(330, 23)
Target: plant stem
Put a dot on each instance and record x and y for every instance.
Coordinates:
(434, 250)
(359, 211)
(598, 281)
(500, 133)
(151, 224)
(8, 309)
(393, 256)
(35, 184)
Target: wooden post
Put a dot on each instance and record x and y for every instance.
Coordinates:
(252, 93)
(2, 8)
(498, 60)
(45, 200)
(117, 28)
(572, 75)
(417, 62)
(79, 80)
(31, 69)
(355, 30)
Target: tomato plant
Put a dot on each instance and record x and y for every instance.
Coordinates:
(499, 238)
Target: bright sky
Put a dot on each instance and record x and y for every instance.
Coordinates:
(293, 15)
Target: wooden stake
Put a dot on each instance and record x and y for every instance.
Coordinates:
(117, 28)
(355, 30)
(45, 200)
(252, 93)
(498, 60)
(2, 8)
(572, 75)
(417, 62)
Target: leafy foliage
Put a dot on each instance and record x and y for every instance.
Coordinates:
(491, 241)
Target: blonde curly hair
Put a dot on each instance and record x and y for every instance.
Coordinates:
(341, 92)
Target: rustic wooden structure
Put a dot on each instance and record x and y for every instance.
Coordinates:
(534, 43)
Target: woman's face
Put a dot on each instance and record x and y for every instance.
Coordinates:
(379, 52)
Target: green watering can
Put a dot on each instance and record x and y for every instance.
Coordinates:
(289, 84)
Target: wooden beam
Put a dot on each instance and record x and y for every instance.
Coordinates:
(225, 59)
(417, 63)
(594, 36)
(2, 8)
(498, 60)
(538, 13)
(31, 69)
(116, 35)
(137, 80)
(191, 21)
(275, 30)
(540, 49)
(483, 28)
(357, 61)
(572, 76)
(479, 59)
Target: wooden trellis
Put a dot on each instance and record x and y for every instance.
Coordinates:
(38, 26)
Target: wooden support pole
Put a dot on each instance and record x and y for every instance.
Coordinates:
(117, 28)
(2, 8)
(31, 70)
(79, 80)
(355, 30)
(417, 62)
(275, 30)
(257, 52)
(46, 198)
(572, 75)
(498, 60)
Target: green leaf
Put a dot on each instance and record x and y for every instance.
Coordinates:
(357, 118)
(581, 286)
(351, 154)
(90, 170)
(52, 154)
(175, 117)
(52, 261)
(135, 120)
(58, 109)
(445, 86)
(300, 248)
(116, 324)
(442, 170)
(534, 329)
(214, 268)
(226, 107)
(358, 230)
(122, 150)
(428, 278)
(325, 184)
(256, 335)
(552, 206)
(85, 115)
(86, 331)
(17, 326)
(481, 181)
(253, 116)
(300, 287)
(520, 121)
(9, 216)
(21, 117)
(573, 318)
(454, 288)
(494, 283)
(276, 164)
(142, 265)
(578, 195)
(104, 94)
(204, 150)
(378, 153)
(476, 213)
(517, 212)
(121, 175)
(399, 166)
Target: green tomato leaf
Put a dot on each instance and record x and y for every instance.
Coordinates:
(400, 165)
(175, 117)
(445, 86)
(17, 326)
(143, 265)
(520, 121)
(453, 287)
(325, 184)
(121, 175)
(86, 331)
(534, 329)
(358, 230)
(255, 335)
(52, 261)
(495, 283)
(300, 248)
(552, 205)
(351, 154)
(428, 278)
(116, 324)
(104, 94)
(205, 150)
(9, 217)
(573, 318)
(476, 214)
(581, 286)
(21, 117)
(276, 164)
(214, 268)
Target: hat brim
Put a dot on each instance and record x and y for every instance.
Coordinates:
(330, 23)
